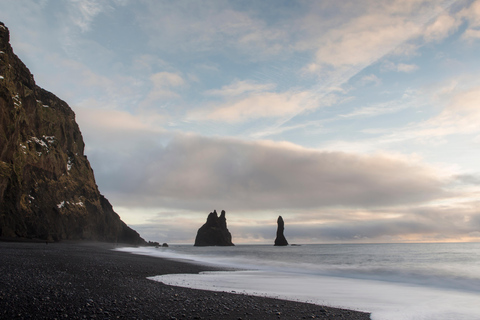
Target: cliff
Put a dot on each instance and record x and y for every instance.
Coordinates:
(214, 232)
(280, 240)
(47, 187)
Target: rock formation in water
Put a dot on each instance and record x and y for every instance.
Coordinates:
(214, 232)
(280, 240)
(47, 187)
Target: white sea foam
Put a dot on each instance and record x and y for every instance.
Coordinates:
(390, 281)
(383, 299)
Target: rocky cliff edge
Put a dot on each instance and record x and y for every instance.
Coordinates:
(47, 187)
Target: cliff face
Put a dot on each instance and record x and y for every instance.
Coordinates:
(47, 187)
(214, 232)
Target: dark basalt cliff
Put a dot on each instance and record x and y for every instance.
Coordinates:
(280, 240)
(214, 232)
(47, 187)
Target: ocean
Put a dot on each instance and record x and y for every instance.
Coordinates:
(391, 281)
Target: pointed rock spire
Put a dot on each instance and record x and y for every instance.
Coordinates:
(280, 240)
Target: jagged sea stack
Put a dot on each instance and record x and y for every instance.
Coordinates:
(280, 239)
(47, 187)
(214, 232)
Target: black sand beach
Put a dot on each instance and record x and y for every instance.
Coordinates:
(90, 281)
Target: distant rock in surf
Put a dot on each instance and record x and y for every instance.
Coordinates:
(214, 232)
(280, 240)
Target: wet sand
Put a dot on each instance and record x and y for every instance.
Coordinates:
(70, 280)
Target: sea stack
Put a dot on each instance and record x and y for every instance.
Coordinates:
(280, 240)
(47, 187)
(214, 232)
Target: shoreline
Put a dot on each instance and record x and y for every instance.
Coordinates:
(89, 280)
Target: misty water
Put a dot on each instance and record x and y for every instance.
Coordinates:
(392, 281)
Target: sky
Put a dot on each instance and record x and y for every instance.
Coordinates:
(356, 121)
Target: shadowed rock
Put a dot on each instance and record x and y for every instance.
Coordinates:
(47, 187)
(280, 240)
(214, 232)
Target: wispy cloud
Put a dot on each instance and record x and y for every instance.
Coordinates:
(164, 84)
(399, 67)
(210, 26)
(472, 15)
(379, 30)
(459, 116)
(443, 26)
(240, 88)
(347, 47)
(83, 12)
(256, 105)
(410, 99)
(370, 79)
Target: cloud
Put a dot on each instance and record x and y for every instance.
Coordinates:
(244, 101)
(459, 222)
(91, 119)
(84, 76)
(167, 79)
(238, 88)
(398, 67)
(177, 226)
(460, 116)
(472, 16)
(403, 229)
(410, 99)
(192, 172)
(83, 12)
(471, 34)
(473, 179)
(403, 67)
(163, 85)
(364, 40)
(206, 26)
(358, 35)
(313, 127)
(442, 27)
(256, 105)
(370, 31)
(342, 34)
(370, 79)
(146, 63)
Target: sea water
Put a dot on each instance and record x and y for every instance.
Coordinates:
(392, 281)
